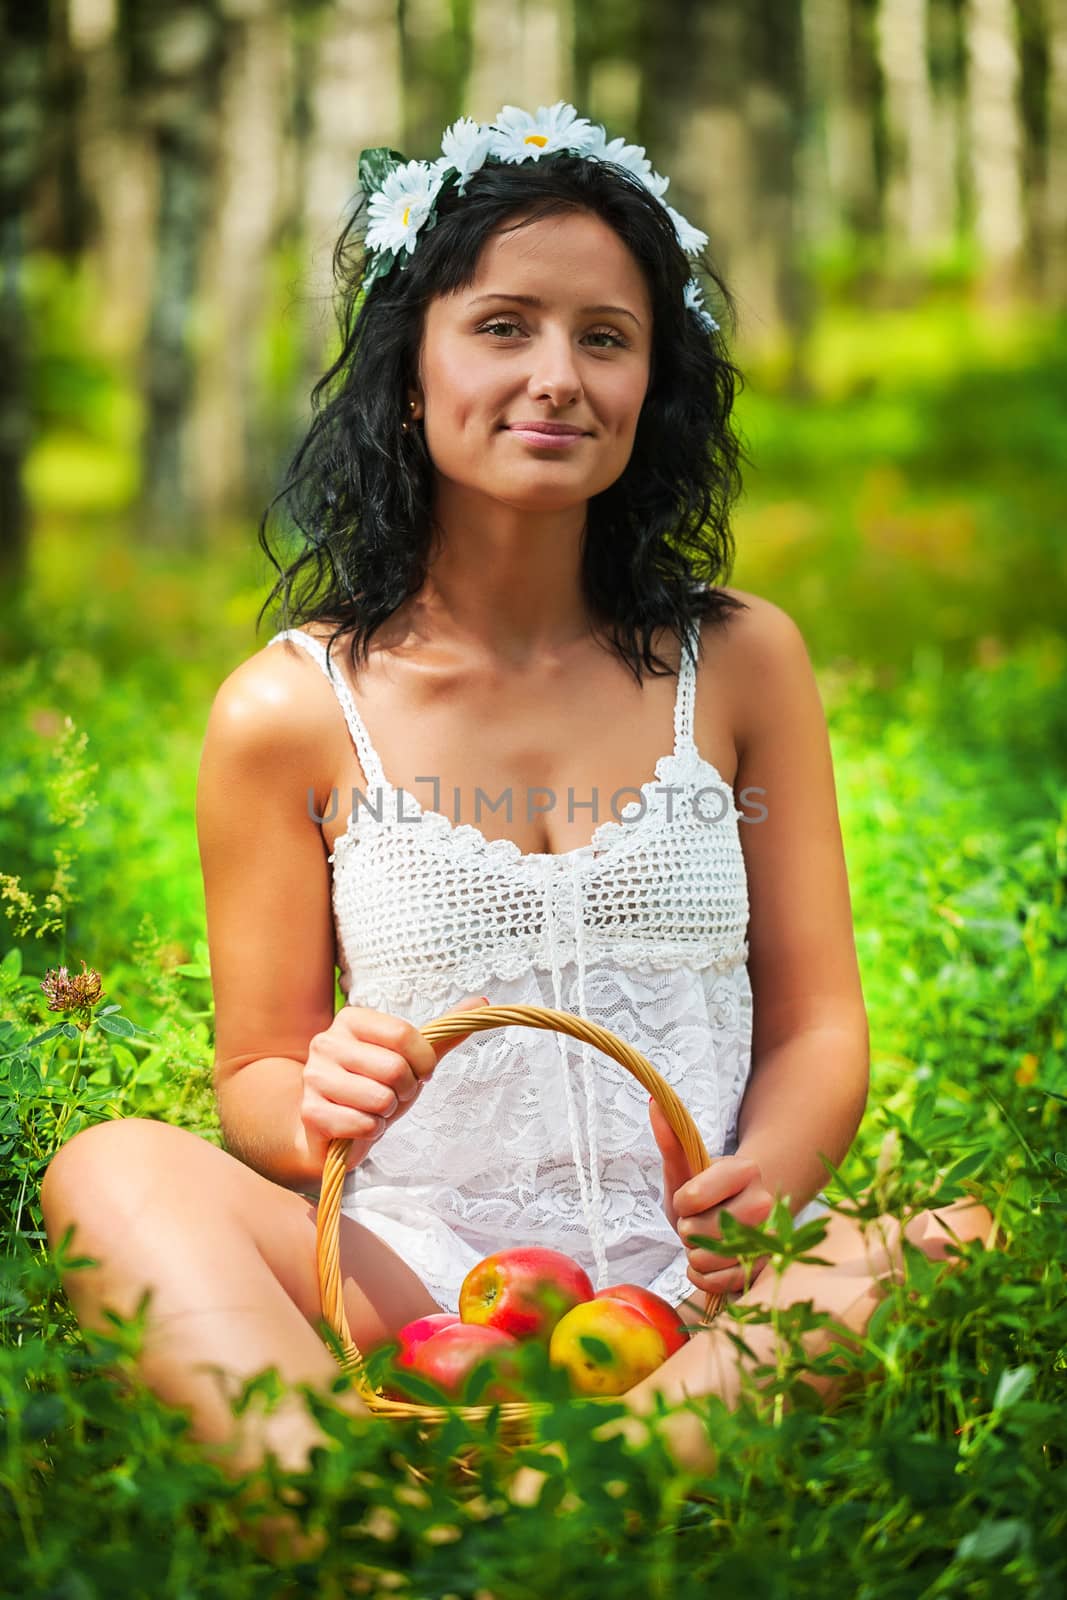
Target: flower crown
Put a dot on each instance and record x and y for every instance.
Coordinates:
(402, 195)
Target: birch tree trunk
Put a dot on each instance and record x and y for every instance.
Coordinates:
(995, 142)
(353, 96)
(121, 174)
(522, 54)
(823, 170)
(227, 426)
(909, 194)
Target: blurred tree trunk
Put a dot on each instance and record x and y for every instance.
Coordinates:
(228, 425)
(995, 142)
(909, 192)
(121, 175)
(776, 114)
(607, 65)
(176, 65)
(435, 59)
(522, 54)
(23, 81)
(61, 196)
(862, 150)
(948, 80)
(692, 120)
(351, 90)
(724, 116)
(826, 153)
(1054, 189)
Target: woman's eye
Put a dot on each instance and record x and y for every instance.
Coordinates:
(505, 327)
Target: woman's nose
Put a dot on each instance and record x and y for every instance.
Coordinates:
(554, 373)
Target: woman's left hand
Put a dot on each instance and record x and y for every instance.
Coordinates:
(692, 1206)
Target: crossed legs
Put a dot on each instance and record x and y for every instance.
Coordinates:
(863, 1264)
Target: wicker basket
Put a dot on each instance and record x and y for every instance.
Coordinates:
(517, 1418)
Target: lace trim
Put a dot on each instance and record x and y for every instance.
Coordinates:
(435, 826)
(386, 992)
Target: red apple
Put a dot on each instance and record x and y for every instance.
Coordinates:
(606, 1346)
(523, 1291)
(449, 1356)
(412, 1334)
(659, 1312)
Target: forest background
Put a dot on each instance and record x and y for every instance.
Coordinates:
(884, 183)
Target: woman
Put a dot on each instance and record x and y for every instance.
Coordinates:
(514, 515)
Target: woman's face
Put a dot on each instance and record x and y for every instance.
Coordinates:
(531, 378)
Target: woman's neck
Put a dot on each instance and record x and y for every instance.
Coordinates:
(503, 580)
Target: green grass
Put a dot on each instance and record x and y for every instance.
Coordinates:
(904, 515)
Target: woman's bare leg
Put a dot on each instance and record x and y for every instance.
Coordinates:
(848, 1291)
(230, 1260)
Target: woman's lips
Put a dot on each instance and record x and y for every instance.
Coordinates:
(546, 435)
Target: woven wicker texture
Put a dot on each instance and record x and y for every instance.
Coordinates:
(516, 1420)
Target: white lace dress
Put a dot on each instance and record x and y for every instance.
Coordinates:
(524, 1136)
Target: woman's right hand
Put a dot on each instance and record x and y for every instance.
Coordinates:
(363, 1073)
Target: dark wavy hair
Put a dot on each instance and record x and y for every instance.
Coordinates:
(360, 488)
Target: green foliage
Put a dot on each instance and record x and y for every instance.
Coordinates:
(912, 492)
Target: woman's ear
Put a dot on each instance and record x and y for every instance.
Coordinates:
(414, 406)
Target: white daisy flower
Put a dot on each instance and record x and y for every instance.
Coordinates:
(465, 145)
(520, 136)
(400, 207)
(631, 157)
(694, 301)
(691, 239)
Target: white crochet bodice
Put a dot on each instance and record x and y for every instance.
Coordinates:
(524, 1136)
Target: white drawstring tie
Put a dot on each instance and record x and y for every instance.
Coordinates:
(588, 1183)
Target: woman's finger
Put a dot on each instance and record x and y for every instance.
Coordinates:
(725, 1177)
(707, 1261)
(717, 1282)
(395, 1035)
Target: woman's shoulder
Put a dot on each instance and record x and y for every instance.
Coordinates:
(750, 639)
(276, 700)
(749, 658)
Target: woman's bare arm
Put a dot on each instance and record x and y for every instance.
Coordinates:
(270, 737)
(810, 1050)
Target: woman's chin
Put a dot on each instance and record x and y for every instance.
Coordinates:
(547, 492)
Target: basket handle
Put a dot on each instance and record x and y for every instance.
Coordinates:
(479, 1020)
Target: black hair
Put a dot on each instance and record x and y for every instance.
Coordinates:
(359, 488)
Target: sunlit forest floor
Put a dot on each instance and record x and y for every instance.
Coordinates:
(907, 512)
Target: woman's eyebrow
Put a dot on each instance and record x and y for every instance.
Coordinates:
(532, 300)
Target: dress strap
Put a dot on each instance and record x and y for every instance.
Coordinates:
(686, 695)
(368, 756)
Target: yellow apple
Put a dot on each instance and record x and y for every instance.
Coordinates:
(606, 1346)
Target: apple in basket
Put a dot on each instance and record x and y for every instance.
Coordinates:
(659, 1312)
(412, 1334)
(605, 1345)
(523, 1291)
(449, 1356)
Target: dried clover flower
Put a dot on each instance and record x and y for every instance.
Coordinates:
(72, 995)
